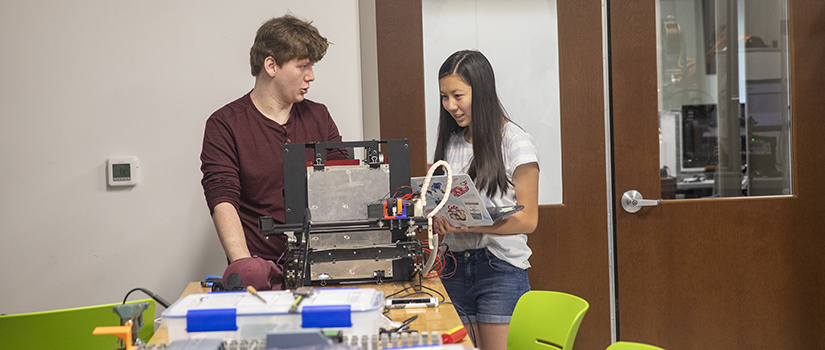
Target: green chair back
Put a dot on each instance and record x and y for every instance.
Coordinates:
(626, 345)
(545, 320)
(68, 328)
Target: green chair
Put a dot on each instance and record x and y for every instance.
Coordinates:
(626, 345)
(68, 328)
(546, 320)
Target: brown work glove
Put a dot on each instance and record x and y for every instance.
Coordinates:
(259, 273)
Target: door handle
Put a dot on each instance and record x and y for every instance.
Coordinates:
(632, 201)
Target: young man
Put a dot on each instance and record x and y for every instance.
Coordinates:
(242, 155)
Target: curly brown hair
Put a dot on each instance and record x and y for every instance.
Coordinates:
(286, 38)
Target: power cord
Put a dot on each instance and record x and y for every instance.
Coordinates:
(432, 240)
(154, 296)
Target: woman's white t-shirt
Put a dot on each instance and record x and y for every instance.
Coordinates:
(518, 148)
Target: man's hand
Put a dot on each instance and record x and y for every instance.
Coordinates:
(259, 273)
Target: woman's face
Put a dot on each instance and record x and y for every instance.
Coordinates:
(457, 99)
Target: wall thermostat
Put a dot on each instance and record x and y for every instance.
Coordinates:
(122, 171)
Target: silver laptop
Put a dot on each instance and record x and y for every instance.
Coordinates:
(464, 206)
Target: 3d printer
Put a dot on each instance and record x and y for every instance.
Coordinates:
(348, 223)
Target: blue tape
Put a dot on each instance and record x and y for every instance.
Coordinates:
(326, 316)
(211, 320)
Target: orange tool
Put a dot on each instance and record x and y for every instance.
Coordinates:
(123, 332)
(454, 335)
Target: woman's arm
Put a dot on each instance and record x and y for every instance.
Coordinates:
(526, 185)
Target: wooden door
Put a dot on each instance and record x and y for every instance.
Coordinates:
(716, 274)
(570, 246)
(726, 273)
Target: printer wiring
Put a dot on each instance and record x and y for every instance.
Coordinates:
(438, 267)
(410, 195)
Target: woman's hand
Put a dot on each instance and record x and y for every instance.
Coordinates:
(526, 184)
(442, 226)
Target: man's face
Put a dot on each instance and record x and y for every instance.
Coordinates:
(293, 78)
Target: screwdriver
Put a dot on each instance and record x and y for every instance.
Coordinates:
(254, 292)
(300, 294)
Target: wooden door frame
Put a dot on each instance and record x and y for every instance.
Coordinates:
(570, 246)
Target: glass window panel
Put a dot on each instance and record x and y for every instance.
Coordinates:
(724, 113)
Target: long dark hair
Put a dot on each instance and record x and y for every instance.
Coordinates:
(487, 166)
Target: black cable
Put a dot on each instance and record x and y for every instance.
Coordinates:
(154, 296)
(414, 293)
(470, 330)
(436, 292)
(414, 287)
(398, 292)
(404, 324)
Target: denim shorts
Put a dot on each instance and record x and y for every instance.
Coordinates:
(483, 288)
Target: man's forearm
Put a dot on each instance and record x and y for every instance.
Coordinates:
(230, 232)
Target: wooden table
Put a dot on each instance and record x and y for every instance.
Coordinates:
(438, 319)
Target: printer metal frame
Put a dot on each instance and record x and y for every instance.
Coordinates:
(326, 250)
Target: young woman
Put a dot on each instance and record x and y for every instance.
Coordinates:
(476, 137)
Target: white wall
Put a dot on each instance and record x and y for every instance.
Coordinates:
(520, 38)
(85, 80)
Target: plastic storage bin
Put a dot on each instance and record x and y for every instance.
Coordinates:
(242, 316)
